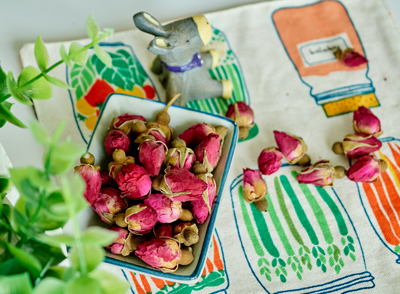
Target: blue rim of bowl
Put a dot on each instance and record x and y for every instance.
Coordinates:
(195, 275)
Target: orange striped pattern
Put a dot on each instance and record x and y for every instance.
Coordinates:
(139, 288)
(145, 284)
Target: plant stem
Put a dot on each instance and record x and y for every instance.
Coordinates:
(38, 207)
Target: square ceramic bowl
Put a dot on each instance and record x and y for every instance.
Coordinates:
(181, 119)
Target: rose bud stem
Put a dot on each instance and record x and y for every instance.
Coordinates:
(87, 158)
(305, 160)
(177, 143)
(243, 132)
(384, 165)
(156, 182)
(131, 243)
(191, 237)
(340, 171)
(163, 117)
(186, 257)
(138, 127)
(186, 215)
(221, 131)
(199, 168)
(338, 148)
(261, 204)
(120, 220)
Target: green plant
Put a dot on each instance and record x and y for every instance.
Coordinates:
(34, 83)
(29, 256)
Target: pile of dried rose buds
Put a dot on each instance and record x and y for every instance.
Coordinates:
(358, 146)
(156, 189)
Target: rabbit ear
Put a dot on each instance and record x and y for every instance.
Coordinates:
(160, 46)
(146, 23)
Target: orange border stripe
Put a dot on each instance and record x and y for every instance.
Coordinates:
(395, 153)
(380, 217)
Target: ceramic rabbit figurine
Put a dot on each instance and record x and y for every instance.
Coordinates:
(182, 68)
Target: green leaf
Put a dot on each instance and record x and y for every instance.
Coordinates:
(352, 256)
(63, 157)
(5, 184)
(99, 236)
(41, 54)
(50, 286)
(52, 204)
(6, 115)
(38, 178)
(3, 83)
(39, 89)
(64, 55)
(11, 267)
(57, 272)
(44, 252)
(93, 255)
(83, 285)
(330, 250)
(73, 189)
(26, 259)
(16, 284)
(68, 149)
(17, 94)
(40, 133)
(103, 55)
(20, 178)
(337, 269)
(351, 240)
(57, 82)
(78, 58)
(56, 240)
(109, 283)
(92, 28)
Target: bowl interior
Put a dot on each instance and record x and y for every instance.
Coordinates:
(181, 119)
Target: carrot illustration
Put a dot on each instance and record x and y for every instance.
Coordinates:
(380, 217)
(394, 199)
(217, 258)
(395, 153)
(210, 266)
(204, 272)
(159, 283)
(145, 283)
(169, 283)
(137, 285)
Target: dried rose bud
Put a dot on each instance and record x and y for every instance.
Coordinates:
(350, 57)
(357, 145)
(157, 133)
(114, 167)
(181, 185)
(167, 130)
(152, 155)
(366, 169)
(243, 115)
(269, 160)
(186, 233)
(167, 210)
(140, 219)
(292, 147)
(134, 181)
(109, 204)
(196, 133)
(186, 256)
(106, 180)
(365, 122)
(125, 243)
(321, 173)
(91, 176)
(163, 231)
(124, 122)
(254, 187)
(179, 155)
(202, 208)
(163, 254)
(116, 140)
(208, 152)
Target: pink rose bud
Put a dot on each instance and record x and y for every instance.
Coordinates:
(350, 57)
(124, 122)
(181, 185)
(157, 133)
(243, 115)
(167, 210)
(106, 180)
(125, 243)
(365, 122)
(254, 187)
(196, 133)
(163, 231)
(202, 208)
(152, 155)
(167, 130)
(92, 178)
(269, 160)
(109, 204)
(116, 140)
(134, 181)
(208, 152)
(163, 254)
(180, 156)
(321, 173)
(292, 147)
(357, 145)
(366, 169)
(140, 219)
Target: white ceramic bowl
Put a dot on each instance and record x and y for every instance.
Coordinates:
(181, 119)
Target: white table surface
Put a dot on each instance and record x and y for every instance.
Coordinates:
(21, 21)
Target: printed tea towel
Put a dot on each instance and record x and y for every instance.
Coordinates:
(279, 57)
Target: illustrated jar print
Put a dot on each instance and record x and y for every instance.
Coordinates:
(310, 35)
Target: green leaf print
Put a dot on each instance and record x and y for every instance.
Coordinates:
(82, 78)
(350, 239)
